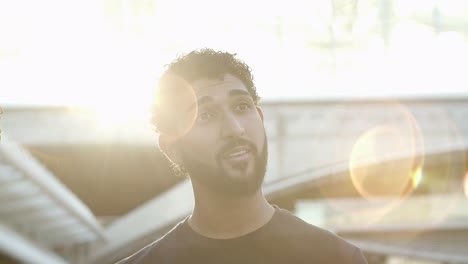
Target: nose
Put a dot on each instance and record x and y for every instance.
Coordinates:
(231, 126)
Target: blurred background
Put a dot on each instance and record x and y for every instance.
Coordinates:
(365, 104)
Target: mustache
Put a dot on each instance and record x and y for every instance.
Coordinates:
(234, 143)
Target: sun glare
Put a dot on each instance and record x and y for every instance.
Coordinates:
(111, 116)
(114, 113)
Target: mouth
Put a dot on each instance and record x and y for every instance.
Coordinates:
(237, 152)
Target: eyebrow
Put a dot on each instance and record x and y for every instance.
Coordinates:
(208, 99)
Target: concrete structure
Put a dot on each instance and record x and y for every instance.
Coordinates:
(318, 150)
(41, 220)
(429, 227)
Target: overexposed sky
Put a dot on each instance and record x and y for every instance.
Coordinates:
(110, 53)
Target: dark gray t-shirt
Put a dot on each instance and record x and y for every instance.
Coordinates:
(284, 239)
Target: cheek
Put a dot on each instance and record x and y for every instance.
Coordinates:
(199, 147)
(257, 132)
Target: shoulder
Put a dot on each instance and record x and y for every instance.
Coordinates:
(321, 240)
(297, 226)
(154, 251)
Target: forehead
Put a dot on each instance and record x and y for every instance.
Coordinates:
(217, 87)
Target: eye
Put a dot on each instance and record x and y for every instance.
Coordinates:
(242, 107)
(204, 116)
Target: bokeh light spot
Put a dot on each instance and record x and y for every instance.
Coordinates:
(387, 159)
(417, 177)
(465, 185)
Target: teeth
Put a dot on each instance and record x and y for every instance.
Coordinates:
(237, 153)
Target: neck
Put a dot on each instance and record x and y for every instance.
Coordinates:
(222, 217)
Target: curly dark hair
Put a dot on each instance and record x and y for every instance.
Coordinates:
(203, 64)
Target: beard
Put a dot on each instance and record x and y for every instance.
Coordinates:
(219, 180)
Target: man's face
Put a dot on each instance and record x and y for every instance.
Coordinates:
(225, 148)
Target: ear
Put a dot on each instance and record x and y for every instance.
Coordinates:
(169, 148)
(260, 112)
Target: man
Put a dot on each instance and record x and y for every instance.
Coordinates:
(211, 129)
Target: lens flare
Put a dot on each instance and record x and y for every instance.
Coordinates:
(385, 161)
(447, 170)
(465, 185)
(417, 177)
(388, 159)
(175, 107)
(376, 157)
